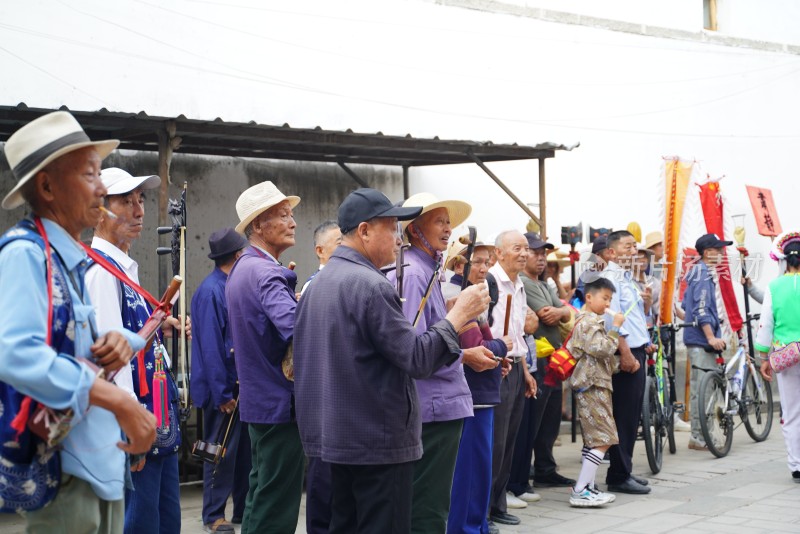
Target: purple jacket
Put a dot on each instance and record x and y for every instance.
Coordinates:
(261, 306)
(355, 355)
(445, 396)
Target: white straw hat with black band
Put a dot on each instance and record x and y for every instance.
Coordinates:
(41, 141)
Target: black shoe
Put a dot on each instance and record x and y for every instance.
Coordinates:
(493, 529)
(504, 518)
(629, 486)
(640, 480)
(796, 476)
(553, 480)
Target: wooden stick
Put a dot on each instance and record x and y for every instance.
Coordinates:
(508, 315)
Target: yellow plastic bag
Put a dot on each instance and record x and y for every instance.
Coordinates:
(543, 348)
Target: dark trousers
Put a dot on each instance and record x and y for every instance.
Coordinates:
(433, 476)
(472, 480)
(318, 496)
(276, 479)
(523, 450)
(627, 400)
(547, 406)
(154, 505)
(507, 416)
(232, 472)
(371, 498)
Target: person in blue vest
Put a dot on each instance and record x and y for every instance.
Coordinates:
(153, 505)
(215, 386)
(57, 168)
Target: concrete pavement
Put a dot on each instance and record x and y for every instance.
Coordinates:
(749, 491)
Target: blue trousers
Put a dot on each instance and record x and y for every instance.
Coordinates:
(232, 472)
(154, 505)
(472, 480)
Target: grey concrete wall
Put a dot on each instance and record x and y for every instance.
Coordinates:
(214, 184)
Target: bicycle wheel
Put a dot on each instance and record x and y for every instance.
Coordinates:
(756, 407)
(669, 417)
(652, 429)
(715, 423)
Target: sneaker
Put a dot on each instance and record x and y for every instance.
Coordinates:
(220, 525)
(512, 501)
(697, 445)
(493, 529)
(587, 498)
(796, 476)
(611, 496)
(680, 424)
(530, 496)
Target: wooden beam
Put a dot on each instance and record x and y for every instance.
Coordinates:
(503, 186)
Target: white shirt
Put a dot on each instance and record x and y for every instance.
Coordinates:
(305, 286)
(106, 296)
(519, 307)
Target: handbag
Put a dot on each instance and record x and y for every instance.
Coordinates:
(782, 358)
(562, 363)
(30, 433)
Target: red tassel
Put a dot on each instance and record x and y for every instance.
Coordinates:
(21, 419)
(143, 388)
(160, 393)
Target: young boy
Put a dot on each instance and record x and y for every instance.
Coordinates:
(594, 350)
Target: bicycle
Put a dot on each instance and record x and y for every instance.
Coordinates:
(730, 389)
(659, 406)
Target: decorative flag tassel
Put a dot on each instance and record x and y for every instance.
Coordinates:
(160, 400)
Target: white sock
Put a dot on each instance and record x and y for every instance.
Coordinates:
(591, 460)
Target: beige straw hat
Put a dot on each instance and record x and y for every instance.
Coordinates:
(258, 199)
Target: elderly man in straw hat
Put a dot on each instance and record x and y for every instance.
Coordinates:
(355, 356)
(261, 305)
(154, 504)
(58, 173)
(444, 397)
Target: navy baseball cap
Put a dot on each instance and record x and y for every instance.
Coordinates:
(534, 241)
(364, 204)
(600, 244)
(710, 241)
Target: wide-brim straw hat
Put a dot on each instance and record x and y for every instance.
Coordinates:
(652, 239)
(459, 250)
(458, 210)
(258, 199)
(42, 141)
(560, 257)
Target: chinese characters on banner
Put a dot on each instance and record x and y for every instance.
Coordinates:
(764, 210)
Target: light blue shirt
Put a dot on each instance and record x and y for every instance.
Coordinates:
(626, 297)
(57, 380)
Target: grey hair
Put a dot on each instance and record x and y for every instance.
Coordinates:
(323, 229)
(501, 238)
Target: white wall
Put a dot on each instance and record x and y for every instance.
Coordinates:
(677, 14)
(416, 67)
(764, 20)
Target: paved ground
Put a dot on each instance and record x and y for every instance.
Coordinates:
(749, 491)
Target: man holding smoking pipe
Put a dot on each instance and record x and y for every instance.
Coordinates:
(113, 284)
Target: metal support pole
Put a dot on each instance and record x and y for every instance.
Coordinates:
(405, 182)
(508, 191)
(542, 201)
(353, 175)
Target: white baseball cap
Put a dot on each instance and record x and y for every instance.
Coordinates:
(119, 182)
